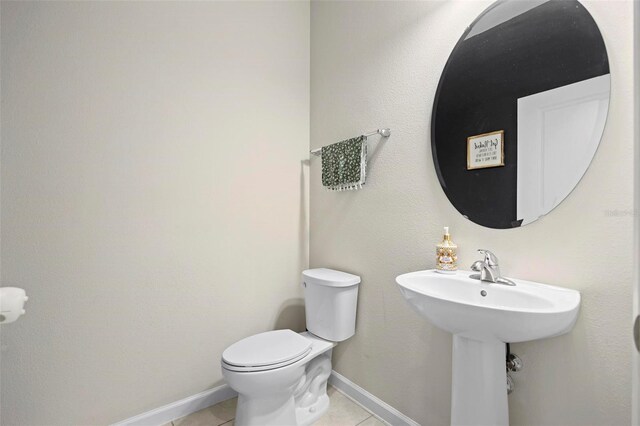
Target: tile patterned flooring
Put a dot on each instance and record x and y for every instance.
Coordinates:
(342, 412)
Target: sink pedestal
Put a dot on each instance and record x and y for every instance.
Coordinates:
(479, 386)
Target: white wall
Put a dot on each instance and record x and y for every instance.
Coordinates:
(153, 197)
(635, 397)
(378, 64)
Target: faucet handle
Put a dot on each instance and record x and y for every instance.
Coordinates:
(477, 266)
(490, 259)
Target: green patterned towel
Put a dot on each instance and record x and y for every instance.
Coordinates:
(344, 164)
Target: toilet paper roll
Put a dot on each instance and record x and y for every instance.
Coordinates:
(11, 303)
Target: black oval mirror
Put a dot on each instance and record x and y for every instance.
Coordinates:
(519, 111)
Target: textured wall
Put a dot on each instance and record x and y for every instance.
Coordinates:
(636, 352)
(153, 202)
(377, 64)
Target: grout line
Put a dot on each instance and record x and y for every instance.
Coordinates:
(352, 400)
(364, 420)
(361, 406)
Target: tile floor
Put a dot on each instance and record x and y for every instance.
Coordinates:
(342, 412)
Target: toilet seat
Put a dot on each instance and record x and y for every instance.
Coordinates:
(266, 351)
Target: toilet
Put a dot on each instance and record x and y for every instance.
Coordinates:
(281, 376)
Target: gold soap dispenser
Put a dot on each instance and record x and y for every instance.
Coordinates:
(446, 254)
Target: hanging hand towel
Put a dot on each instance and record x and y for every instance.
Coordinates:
(344, 164)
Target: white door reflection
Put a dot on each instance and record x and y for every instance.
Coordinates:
(558, 134)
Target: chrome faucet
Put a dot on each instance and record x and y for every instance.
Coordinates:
(489, 269)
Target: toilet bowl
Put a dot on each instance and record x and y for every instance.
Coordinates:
(293, 392)
(281, 376)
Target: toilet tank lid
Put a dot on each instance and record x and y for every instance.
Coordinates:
(329, 277)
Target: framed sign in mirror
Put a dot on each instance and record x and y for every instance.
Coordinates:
(519, 110)
(485, 150)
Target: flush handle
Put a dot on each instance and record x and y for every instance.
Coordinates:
(636, 332)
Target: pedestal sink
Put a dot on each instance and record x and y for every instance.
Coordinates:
(483, 317)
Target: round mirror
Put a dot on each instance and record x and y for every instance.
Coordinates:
(520, 110)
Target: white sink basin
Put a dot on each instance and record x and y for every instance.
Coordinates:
(482, 317)
(528, 311)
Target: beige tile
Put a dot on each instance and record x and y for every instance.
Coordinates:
(342, 411)
(215, 415)
(372, 421)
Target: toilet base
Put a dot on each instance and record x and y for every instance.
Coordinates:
(310, 395)
(308, 415)
(272, 410)
(280, 411)
(295, 395)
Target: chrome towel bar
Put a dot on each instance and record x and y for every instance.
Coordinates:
(385, 133)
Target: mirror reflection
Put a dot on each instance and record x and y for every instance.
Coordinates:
(520, 110)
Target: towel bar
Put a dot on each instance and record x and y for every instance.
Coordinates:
(385, 133)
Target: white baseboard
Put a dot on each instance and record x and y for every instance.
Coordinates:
(370, 402)
(184, 407)
(191, 404)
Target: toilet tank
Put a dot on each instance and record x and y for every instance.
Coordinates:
(330, 300)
